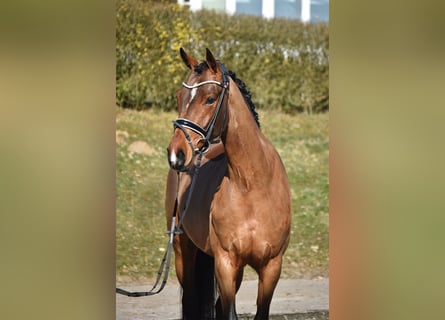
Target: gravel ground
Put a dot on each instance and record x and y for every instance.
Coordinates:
(294, 299)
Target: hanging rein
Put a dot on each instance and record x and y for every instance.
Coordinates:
(206, 138)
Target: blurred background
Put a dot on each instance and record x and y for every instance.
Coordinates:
(282, 54)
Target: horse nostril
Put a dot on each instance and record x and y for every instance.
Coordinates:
(180, 158)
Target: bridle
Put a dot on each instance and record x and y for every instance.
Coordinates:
(206, 134)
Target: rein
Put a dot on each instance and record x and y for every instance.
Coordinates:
(174, 229)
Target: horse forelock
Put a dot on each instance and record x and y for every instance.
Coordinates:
(199, 68)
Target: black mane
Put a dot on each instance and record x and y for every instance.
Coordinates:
(241, 86)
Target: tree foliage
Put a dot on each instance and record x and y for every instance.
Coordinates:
(285, 63)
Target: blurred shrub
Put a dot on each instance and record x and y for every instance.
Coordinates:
(285, 63)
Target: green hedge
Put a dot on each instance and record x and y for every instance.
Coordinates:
(284, 63)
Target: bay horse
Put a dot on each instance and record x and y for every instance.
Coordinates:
(239, 211)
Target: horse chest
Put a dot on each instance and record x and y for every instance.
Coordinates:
(243, 228)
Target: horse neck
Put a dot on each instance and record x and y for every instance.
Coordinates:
(245, 146)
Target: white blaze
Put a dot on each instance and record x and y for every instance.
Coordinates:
(192, 95)
(173, 157)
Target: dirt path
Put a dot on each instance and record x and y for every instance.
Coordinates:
(293, 299)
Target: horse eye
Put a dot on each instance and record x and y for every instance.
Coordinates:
(210, 100)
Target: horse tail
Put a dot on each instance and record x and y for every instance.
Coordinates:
(205, 284)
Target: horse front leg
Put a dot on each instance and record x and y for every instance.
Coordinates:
(185, 254)
(227, 274)
(239, 279)
(185, 257)
(268, 279)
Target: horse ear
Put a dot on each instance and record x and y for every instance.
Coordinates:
(211, 61)
(189, 61)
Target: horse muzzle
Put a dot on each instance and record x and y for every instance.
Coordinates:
(179, 154)
(177, 160)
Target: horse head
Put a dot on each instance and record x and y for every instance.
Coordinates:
(202, 110)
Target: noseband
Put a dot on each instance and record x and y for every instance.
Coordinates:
(207, 133)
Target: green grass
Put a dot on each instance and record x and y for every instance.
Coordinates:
(303, 144)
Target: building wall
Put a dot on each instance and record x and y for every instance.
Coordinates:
(305, 10)
(288, 8)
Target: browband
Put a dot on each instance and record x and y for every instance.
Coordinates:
(201, 84)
